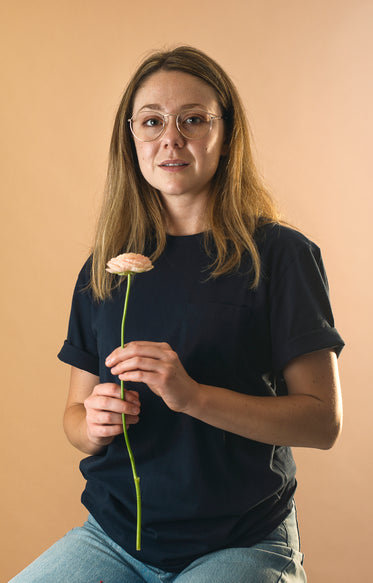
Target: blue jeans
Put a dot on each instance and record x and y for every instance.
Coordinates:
(87, 555)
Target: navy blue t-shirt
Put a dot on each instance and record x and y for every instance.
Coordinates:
(202, 488)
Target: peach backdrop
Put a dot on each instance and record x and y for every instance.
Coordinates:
(304, 70)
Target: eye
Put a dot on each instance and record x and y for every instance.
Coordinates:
(152, 122)
(194, 118)
(148, 119)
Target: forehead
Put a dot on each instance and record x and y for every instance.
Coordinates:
(171, 90)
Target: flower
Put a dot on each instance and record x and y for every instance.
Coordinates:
(129, 263)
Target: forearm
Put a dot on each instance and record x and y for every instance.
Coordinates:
(293, 420)
(309, 416)
(75, 426)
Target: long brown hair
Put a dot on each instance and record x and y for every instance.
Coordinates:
(132, 212)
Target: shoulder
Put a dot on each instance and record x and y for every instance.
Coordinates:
(284, 250)
(278, 241)
(84, 275)
(83, 282)
(282, 237)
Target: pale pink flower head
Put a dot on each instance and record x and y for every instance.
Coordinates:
(129, 263)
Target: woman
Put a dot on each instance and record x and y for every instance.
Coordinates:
(230, 356)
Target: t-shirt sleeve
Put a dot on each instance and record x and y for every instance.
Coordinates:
(301, 315)
(80, 346)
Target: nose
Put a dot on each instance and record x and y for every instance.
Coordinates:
(171, 136)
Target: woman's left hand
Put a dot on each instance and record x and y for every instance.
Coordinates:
(159, 367)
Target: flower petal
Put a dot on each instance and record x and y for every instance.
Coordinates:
(129, 263)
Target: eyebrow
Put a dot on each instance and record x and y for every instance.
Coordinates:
(157, 107)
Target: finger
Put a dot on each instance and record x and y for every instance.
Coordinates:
(140, 348)
(105, 431)
(114, 420)
(152, 379)
(103, 403)
(112, 390)
(132, 397)
(104, 424)
(137, 363)
(131, 420)
(118, 406)
(107, 389)
(111, 418)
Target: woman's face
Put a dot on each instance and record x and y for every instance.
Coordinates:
(173, 164)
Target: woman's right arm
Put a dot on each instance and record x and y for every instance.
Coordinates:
(93, 413)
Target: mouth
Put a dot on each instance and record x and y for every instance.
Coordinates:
(173, 164)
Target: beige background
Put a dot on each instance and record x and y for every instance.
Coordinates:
(304, 70)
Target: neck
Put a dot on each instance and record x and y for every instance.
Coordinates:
(185, 218)
(184, 228)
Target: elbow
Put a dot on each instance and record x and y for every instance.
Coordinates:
(331, 433)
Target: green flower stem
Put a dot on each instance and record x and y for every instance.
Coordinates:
(132, 459)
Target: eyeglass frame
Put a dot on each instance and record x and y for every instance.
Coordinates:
(165, 124)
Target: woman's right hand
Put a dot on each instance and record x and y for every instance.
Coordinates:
(93, 413)
(104, 408)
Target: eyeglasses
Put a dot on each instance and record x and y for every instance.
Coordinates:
(193, 124)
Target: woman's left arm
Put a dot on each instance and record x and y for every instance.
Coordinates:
(310, 415)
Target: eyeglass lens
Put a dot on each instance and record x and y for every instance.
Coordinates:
(193, 124)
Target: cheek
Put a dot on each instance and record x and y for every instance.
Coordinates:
(212, 154)
(214, 148)
(139, 152)
(144, 157)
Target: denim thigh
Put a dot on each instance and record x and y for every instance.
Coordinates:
(87, 555)
(276, 559)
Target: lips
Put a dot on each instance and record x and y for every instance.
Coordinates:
(173, 164)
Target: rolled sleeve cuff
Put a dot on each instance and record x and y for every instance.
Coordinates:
(78, 358)
(310, 342)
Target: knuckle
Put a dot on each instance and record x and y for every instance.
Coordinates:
(165, 346)
(89, 418)
(105, 417)
(104, 431)
(172, 357)
(137, 361)
(105, 403)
